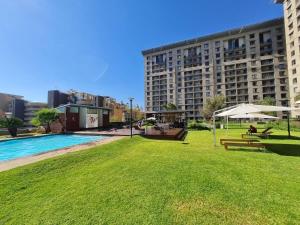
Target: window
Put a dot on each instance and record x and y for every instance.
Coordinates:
(295, 81)
(74, 110)
(265, 37)
(252, 35)
(292, 53)
(294, 71)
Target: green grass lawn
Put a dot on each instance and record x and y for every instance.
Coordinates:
(143, 181)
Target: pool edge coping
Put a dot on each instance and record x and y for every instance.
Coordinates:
(14, 163)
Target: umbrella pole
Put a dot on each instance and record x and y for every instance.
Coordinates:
(227, 124)
(214, 129)
(289, 127)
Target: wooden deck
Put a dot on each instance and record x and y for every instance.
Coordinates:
(169, 134)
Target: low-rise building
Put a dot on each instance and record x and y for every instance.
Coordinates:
(76, 117)
(5, 102)
(17, 106)
(118, 111)
(26, 110)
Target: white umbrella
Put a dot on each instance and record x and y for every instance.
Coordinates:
(151, 118)
(253, 116)
(251, 108)
(244, 109)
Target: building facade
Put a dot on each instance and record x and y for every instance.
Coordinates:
(16, 106)
(6, 102)
(26, 110)
(80, 117)
(292, 29)
(118, 111)
(245, 65)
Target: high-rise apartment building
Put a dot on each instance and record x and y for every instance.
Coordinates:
(292, 29)
(245, 65)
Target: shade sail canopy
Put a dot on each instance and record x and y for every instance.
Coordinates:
(253, 116)
(251, 108)
(151, 118)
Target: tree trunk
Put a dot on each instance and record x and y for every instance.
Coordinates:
(48, 128)
(13, 131)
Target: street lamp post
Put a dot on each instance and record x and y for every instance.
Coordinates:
(131, 99)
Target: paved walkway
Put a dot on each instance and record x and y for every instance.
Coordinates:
(35, 158)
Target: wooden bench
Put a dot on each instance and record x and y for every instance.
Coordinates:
(240, 144)
(222, 140)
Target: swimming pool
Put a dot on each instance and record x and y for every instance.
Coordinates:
(30, 146)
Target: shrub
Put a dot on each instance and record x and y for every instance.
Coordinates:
(194, 125)
(11, 124)
(44, 117)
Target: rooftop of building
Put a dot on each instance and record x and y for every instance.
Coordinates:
(235, 31)
(12, 95)
(279, 1)
(85, 106)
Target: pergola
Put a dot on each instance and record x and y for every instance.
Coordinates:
(246, 109)
(167, 115)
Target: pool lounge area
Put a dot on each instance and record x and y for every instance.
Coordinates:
(13, 149)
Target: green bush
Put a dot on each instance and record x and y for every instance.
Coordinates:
(283, 125)
(12, 125)
(196, 125)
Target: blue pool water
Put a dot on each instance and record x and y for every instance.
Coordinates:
(30, 146)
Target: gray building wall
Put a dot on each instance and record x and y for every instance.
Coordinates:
(17, 108)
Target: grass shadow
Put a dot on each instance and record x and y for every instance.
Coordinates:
(252, 150)
(284, 149)
(283, 137)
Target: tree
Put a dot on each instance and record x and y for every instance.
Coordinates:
(267, 101)
(170, 107)
(170, 117)
(45, 117)
(11, 124)
(213, 104)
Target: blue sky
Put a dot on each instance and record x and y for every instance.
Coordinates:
(95, 45)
